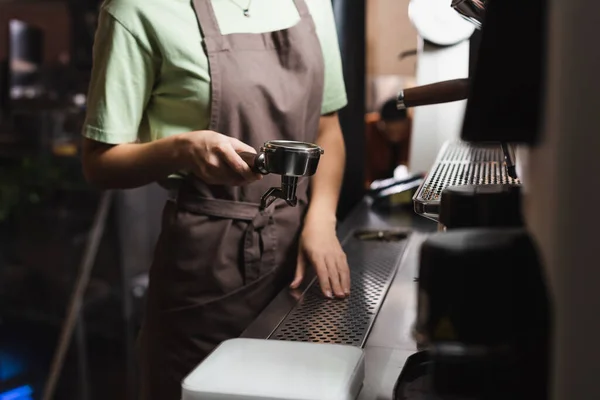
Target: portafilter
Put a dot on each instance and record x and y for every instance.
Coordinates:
(291, 160)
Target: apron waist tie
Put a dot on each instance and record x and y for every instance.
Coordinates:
(219, 208)
(260, 239)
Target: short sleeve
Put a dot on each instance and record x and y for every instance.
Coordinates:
(120, 86)
(334, 94)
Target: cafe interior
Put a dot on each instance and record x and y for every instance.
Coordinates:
(470, 243)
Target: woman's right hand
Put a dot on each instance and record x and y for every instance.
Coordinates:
(215, 158)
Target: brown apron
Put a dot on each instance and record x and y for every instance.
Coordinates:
(220, 260)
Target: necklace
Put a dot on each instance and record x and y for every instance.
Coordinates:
(246, 10)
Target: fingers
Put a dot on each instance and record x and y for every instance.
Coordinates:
(323, 275)
(334, 277)
(344, 272)
(217, 162)
(240, 147)
(300, 269)
(214, 171)
(237, 163)
(333, 274)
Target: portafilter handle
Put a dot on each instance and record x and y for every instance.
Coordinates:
(255, 161)
(435, 93)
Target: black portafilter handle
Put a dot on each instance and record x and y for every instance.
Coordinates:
(484, 314)
(255, 161)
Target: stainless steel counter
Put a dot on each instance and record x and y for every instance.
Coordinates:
(387, 342)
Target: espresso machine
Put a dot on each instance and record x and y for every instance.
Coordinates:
(502, 284)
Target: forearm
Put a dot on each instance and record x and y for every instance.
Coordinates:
(327, 182)
(127, 166)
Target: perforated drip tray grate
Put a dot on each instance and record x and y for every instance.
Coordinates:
(460, 163)
(315, 319)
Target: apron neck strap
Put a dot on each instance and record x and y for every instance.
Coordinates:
(302, 8)
(207, 19)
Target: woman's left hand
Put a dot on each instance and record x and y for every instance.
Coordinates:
(320, 247)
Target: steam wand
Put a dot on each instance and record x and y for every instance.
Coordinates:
(509, 160)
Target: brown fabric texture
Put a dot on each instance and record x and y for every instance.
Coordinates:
(220, 260)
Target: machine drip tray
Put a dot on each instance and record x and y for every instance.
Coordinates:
(382, 235)
(374, 257)
(460, 163)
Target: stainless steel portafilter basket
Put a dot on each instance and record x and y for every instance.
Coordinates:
(291, 160)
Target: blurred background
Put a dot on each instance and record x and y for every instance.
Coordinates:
(52, 224)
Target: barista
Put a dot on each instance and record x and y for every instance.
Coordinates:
(178, 89)
(388, 141)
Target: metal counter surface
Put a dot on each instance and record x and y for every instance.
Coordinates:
(389, 342)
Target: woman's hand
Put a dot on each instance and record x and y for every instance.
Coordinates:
(320, 247)
(215, 158)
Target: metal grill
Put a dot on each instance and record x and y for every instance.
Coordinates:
(461, 163)
(316, 319)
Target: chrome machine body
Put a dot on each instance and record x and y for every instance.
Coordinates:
(560, 173)
(561, 176)
(558, 165)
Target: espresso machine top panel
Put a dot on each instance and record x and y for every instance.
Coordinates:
(461, 163)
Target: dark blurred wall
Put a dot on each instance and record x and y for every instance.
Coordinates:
(50, 16)
(84, 17)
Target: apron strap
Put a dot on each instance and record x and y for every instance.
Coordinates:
(208, 20)
(260, 236)
(209, 26)
(259, 257)
(218, 208)
(302, 8)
